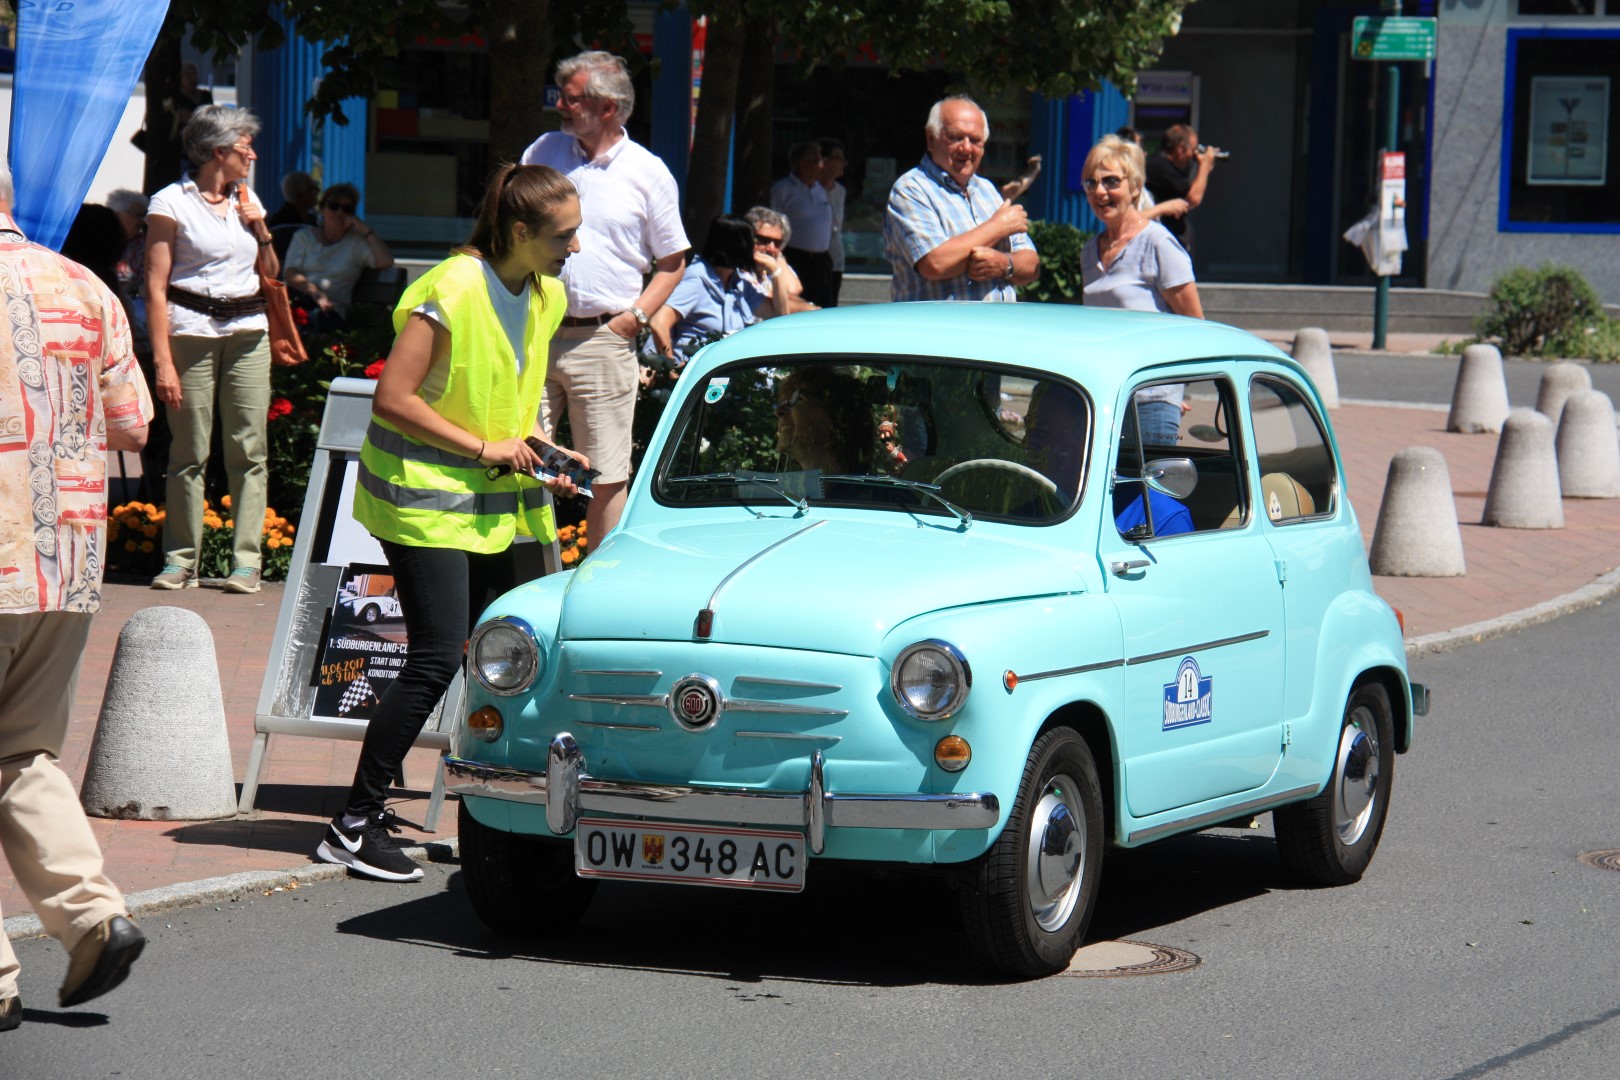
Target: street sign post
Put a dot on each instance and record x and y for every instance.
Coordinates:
(1383, 37)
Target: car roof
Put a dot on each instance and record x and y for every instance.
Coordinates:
(1094, 339)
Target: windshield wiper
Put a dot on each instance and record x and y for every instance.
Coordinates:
(769, 483)
(880, 480)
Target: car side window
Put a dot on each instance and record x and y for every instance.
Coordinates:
(1179, 421)
(1297, 476)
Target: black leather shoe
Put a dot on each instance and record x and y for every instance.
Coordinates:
(101, 960)
(11, 1012)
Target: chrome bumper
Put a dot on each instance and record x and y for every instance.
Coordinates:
(565, 789)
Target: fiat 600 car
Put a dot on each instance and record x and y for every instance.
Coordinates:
(989, 588)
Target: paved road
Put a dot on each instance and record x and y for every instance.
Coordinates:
(1477, 947)
(1431, 379)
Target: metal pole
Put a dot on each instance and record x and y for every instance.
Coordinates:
(1392, 124)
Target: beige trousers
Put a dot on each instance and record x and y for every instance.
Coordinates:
(43, 830)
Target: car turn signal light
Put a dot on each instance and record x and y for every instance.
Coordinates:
(486, 723)
(952, 753)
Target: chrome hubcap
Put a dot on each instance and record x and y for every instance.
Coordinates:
(1056, 858)
(1357, 774)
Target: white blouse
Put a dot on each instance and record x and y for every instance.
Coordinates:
(213, 255)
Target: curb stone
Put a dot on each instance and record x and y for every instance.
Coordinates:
(231, 886)
(1604, 588)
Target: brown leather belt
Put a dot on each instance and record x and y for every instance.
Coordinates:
(588, 320)
(218, 307)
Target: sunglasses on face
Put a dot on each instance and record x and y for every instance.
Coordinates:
(767, 241)
(1109, 183)
(789, 403)
(340, 207)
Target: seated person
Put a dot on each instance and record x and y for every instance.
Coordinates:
(324, 262)
(822, 421)
(712, 299)
(1053, 431)
(771, 272)
(1170, 517)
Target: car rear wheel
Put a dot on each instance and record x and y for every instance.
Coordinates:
(1330, 840)
(372, 613)
(1027, 901)
(519, 886)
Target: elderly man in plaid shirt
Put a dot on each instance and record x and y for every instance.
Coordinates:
(948, 233)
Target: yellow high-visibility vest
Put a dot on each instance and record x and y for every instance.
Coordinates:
(421, 496)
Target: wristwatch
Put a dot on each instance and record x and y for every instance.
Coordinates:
(1008, 273)
(641, 317)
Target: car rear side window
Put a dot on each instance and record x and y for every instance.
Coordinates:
(1297, 476)
(1177, 421)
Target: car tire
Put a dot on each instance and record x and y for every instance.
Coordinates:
(371, 613)
(1027, 901)
(520, 886)
(1330, 839)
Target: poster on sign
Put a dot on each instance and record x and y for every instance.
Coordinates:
(364, 648)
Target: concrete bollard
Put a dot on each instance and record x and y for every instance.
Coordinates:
(1558, 382)
(1524, 481)
(1417, 533)
(160, 752)
(1315, 355)
(1588, 449)
(1479, 402)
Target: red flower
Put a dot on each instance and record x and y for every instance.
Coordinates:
(279, 407)
(300, 316)
(374, 369)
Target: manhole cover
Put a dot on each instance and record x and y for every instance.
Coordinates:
(1107, 959)
(1603, 860)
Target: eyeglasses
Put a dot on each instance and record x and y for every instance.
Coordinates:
(1109, 183)
(340, 207)
(245, 151)
(767, 241)
(571, 100)
(789, 403)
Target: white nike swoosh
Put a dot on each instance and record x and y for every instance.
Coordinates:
(344, 840)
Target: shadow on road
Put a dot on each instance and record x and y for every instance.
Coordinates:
(851, 925)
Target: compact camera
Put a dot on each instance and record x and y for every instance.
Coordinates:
(1219, 154)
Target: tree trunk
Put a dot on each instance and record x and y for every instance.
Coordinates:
(711, 135)
(161, 134)
(756, 98)
(519, 53)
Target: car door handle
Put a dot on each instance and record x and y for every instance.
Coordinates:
(1125, 566)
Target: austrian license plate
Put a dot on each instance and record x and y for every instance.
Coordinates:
(690, 854)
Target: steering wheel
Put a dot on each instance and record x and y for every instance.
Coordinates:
(1044, 489)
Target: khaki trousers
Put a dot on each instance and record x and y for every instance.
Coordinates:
(43, 830)
(236, 370)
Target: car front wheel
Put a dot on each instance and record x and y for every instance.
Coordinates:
(1330, 840)
(519, 886)
(371, 613)
(1027, 901)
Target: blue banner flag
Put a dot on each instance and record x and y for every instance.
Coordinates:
(77, 63)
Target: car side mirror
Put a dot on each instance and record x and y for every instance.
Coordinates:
(1176, 477)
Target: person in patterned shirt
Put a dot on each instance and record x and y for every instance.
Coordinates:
(69, 392)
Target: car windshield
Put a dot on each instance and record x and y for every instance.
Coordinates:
(914, 436)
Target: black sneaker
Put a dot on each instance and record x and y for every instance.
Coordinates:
(368, 849)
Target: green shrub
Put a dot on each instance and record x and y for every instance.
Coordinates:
(1060, 246)
(1534, 312)
(1600, 341)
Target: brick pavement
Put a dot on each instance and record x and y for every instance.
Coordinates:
(305, 779)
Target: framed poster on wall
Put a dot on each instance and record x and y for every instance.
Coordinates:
(1569, 129)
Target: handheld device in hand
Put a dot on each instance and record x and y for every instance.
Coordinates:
(553, 464)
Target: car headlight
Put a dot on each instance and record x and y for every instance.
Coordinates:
(931, 680)
(504, 656)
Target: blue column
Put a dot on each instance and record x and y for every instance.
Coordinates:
(284, 79)
(1063, 132)
(672, 91)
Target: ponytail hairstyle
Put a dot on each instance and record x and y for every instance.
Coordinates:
(526, 193)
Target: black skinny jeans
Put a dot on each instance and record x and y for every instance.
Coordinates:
(441, 592)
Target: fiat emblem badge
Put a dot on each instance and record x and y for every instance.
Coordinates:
(696, 702)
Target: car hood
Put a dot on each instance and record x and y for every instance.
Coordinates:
(824, 584)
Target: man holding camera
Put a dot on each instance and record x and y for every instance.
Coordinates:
(1180, 170)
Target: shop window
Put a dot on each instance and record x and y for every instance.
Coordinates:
(1561, 8)
(1560, 132)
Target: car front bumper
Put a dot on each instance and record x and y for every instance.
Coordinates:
(565, 788)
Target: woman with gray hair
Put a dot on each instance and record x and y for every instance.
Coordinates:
(206, 244)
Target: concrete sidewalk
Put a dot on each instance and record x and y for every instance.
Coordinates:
(1510, 571)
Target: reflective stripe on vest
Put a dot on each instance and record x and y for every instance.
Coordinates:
(392, 442)
(478, 503)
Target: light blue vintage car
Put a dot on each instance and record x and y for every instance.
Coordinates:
(983, 587)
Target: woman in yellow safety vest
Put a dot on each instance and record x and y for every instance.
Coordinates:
(459, 395)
